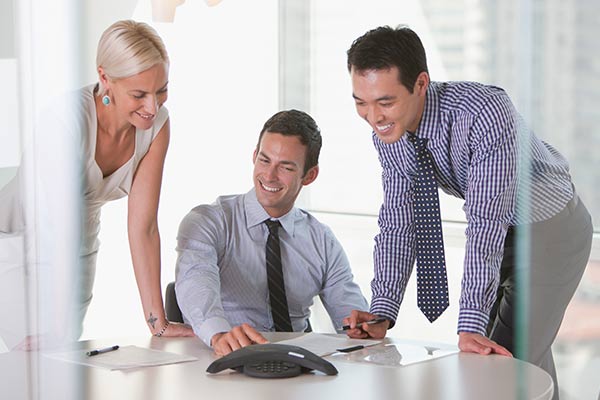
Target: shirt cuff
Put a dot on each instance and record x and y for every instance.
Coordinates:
(473, 321)
(211, 327)
(386, 308)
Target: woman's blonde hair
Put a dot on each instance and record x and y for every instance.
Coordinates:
(127, 48)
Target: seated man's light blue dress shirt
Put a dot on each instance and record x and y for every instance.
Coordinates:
(221, 268)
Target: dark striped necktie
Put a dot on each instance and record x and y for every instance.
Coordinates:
(277, 298)
(432, 282)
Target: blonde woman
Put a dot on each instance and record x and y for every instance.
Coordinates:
(127, 135)
(119, 128)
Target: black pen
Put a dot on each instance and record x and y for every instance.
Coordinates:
(351, 349)
(100, 351)
(371, 322)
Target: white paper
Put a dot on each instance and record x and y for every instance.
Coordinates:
(323, 344)
(125, 357)
(398, 354)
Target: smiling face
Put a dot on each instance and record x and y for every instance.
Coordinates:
(386, 104)
(137, 98)
(279, 172)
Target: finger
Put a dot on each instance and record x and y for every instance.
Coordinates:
(254, 335)
(493, 346)
(376, 331)
(481, 348)
(233, 342)
(357, 333)
(218, 350)
(221, 346)
(356, 316)
(361, 335)
(498, 349)
(353, 319)
(170, 331)
(181, 330)
(242, 339)
(478, 349)
(472, 346)
(244, 334)
(189, 332)
(236, 338)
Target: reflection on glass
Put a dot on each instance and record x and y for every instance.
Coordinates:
(39, 212)
(481, 41)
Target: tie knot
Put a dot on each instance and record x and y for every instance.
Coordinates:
(273, 226)
(416, 141)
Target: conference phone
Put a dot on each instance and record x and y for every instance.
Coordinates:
(272, 360)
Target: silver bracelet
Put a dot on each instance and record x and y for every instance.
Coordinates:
(159, 334)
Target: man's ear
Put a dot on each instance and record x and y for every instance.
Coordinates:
(254, 156)
(421, 84)
(310, 175)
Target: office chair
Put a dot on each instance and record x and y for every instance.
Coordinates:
(171, 307)
(174, 313)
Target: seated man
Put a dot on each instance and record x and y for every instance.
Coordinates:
(230, 264)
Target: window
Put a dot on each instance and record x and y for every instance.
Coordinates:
(543, 54)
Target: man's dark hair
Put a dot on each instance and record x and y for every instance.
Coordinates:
(385, 48)
(300, 124)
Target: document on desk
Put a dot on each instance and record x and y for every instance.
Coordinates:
(126, 357)
(323, 344)
(398, 354)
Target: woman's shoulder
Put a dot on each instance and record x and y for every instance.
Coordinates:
(74, 107)
(149, 135)
(161, 117)
(66, 122)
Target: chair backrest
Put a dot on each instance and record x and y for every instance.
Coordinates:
(171, 307)
(174, 312)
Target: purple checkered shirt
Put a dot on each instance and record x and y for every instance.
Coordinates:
(472, 131)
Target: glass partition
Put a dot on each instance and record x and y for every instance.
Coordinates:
(544, 55)
(40, 211)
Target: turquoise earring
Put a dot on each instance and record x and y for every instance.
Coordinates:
(105, 100)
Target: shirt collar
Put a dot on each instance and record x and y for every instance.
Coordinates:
(256, 214)
(429, 120)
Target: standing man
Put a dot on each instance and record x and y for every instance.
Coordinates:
(464, 138)
(254, 262)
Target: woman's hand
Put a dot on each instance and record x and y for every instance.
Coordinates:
(176, 329)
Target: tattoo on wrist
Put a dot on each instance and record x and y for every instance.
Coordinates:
(151, 320)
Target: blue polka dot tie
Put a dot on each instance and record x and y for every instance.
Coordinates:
(432, 282)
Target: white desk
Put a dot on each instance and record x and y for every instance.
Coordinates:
(458, 376)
